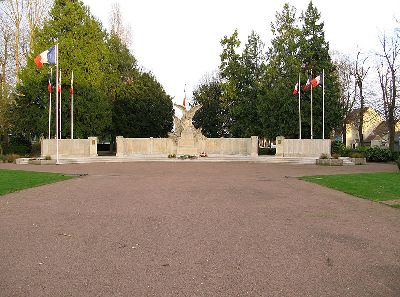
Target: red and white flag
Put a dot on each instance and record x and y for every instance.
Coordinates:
(296, 89)
(49, 87)
(316, 81)
(307, 85)
(71, 90)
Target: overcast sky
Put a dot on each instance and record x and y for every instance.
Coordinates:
(179, 40)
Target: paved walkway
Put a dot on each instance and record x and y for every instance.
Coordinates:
(200, 229)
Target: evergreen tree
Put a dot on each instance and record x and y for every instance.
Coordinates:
(252, 61)
(230, 72)
(314, 52)
(278, 108)
(142, 109)
(82, 49)
(211, 116)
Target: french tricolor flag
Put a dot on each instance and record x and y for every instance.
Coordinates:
(48, 56)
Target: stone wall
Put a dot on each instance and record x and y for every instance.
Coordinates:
(302, 147)
(144, 146)
(69, 147)
(166, 146)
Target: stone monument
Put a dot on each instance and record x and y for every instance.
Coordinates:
(186, 136)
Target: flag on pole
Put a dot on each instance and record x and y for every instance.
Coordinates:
(184, 99)
(317, 81)
(48, 57)
(49, 87)
(71, 90)
(307, 85)
(296, 89)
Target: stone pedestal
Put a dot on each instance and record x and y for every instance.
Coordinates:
(187, 143)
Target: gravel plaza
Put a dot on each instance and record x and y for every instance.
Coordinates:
(196, 229)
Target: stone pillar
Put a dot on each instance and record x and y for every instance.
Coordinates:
(120, 151)
(44, 147)
(254, 146)
(92, 146)
(280, 140)
(186, 143)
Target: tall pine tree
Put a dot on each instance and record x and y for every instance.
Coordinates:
(278, 108)
(314, 52)
(82, 49)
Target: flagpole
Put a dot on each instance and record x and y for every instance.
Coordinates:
(184, 102)
(57, 103)
(72, 105)
(312, 136)
(60, 105)
(323, 103)
(299, 109)
(51, 76)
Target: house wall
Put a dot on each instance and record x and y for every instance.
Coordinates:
(371, 120)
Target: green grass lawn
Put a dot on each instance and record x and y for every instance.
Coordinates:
(379, 186)
(15, 180)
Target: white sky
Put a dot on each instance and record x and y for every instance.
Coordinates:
(179, 40)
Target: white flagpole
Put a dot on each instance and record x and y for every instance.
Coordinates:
(312, 135)
(72, 105)
(57, 102)
(51, 77)
(299, 108)
(323, 103)
(184, 90)
(60, 105)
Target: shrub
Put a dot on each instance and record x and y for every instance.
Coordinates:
(398, 163)
(377, 154)
(335, 156)
(266, 151)
(395, 156)
(171, 156)
(47, 157)
(10, 158)
(36, 149)
(1, 158)
(357, 155)
(324, 156)
(337, 147)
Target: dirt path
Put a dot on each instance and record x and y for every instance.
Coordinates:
(196, 229)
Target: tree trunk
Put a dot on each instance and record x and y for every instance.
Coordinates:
(344, 133)
(361, 120)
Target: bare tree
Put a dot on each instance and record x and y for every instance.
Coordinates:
(118, 27)
(360, 73)
(388, 78)
(21, 18)
(5, 36)
(14, 12)
(345, 70)
(36, 14)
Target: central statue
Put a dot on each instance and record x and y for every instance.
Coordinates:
(185, 135)
(185, 123)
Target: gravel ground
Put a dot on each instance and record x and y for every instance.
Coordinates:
(196, 229)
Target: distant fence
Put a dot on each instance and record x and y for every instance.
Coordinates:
(69, 147)
(302, 147)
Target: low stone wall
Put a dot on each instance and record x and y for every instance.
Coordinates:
(229, 146)
(166, 146)
(144, 146)
(302, 147)
(69, 147)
